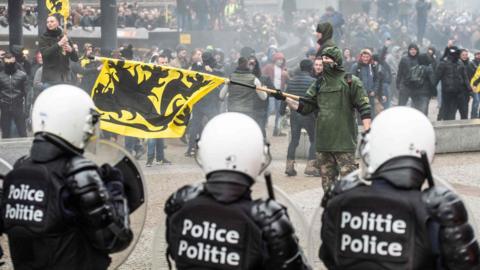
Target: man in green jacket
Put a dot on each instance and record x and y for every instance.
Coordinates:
(324, 37)
(336, 96)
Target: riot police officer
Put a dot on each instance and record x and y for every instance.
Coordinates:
(388, 221)
(59, 210)
(216, 225)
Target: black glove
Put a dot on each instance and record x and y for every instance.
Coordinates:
(109, 173)
(113, 179)
(278, 95)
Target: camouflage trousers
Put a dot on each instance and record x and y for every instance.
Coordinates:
(334, 165)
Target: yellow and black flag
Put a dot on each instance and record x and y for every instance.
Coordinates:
(61, 7)
(148, 101)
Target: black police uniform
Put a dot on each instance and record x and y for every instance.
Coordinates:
(58, 213)
(391, 224)
(216, 225)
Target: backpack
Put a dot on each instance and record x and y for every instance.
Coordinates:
(416, 76)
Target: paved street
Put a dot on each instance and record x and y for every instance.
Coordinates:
(460, 170)
(305, 192)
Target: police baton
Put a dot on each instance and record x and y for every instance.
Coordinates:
(428, 170)
(272, 91)
(268, 181)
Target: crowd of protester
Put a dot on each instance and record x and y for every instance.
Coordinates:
(185, 15)
(369, 29)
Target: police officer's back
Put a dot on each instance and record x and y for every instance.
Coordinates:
(389, 222)
(59, 210)
(216, 225)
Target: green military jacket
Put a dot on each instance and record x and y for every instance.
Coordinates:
(336, 100)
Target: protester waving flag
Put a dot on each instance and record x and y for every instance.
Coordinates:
(148, 101)
(61, 7)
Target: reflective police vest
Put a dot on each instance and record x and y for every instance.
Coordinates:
(207, 234)
(369, 228)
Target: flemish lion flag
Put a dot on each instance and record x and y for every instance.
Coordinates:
(148, 101)
(61, 7)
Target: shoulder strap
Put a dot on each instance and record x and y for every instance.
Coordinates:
(318, 82)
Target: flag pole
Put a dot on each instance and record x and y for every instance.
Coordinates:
(264, 89)
(227, 80)
(65, 21)
(64, 32)
(66, 14)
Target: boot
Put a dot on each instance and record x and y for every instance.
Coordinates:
(290, 168)
(311, 168)
(317, 164)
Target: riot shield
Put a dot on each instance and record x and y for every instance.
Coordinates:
(5, 167)
(101, 152)
(315, 241)
(259, 190)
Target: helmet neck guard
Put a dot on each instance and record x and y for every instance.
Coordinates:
(403, 172)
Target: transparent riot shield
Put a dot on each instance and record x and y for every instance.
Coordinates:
(315, 241)
(259, 190)
(5, 167)
(101, 152)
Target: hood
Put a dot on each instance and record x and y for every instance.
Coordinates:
(424, 59)
(452, 53)
(366, 51)
(208, 59)
(327, 32)
(335, 53)
(369, 52)
(333, 71)
(413, 45)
